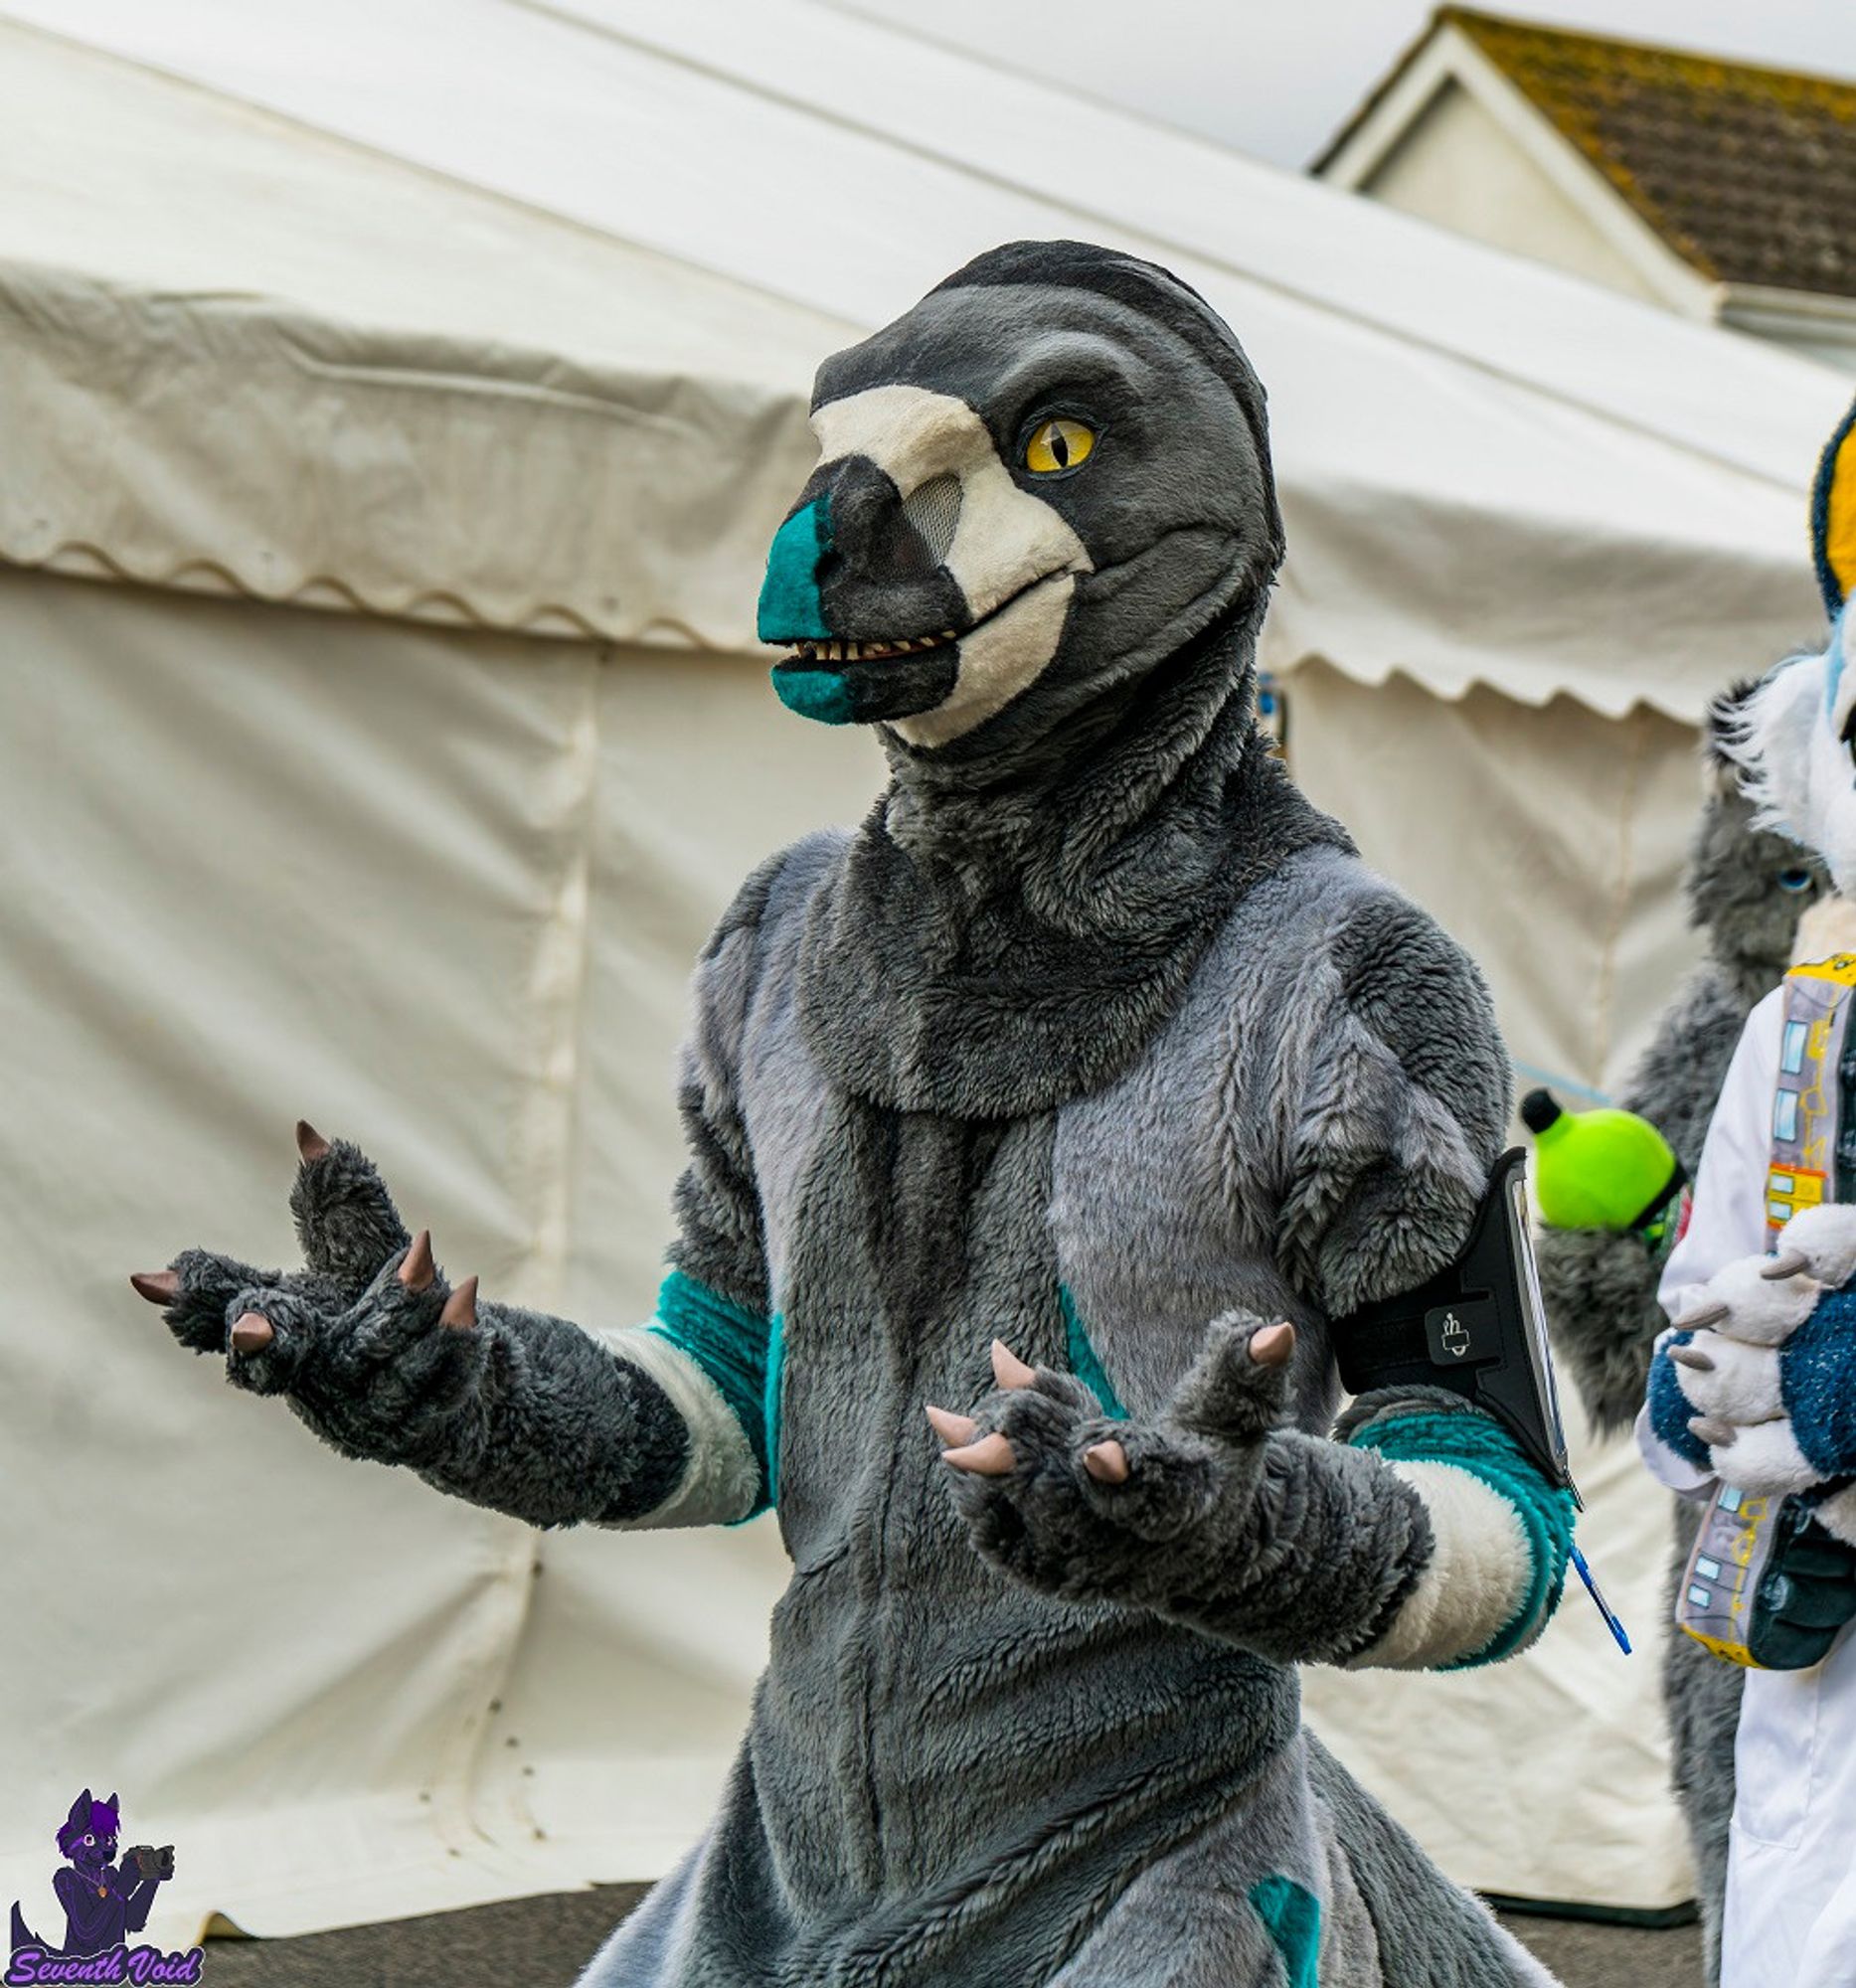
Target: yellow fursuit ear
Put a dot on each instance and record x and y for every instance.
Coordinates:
(1833, 516)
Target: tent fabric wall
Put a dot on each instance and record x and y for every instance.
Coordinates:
(1549, 841)
(437, 892)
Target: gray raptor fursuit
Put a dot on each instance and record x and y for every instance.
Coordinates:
(1095, 1043)
(1747, 888)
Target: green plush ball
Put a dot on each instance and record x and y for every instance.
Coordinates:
(1597, 1169)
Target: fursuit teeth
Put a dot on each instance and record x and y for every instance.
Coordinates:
(870, 652)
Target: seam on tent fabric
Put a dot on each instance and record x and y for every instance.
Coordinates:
(540, 1165)
(1637, 747)
(361, 148)
(81, 559)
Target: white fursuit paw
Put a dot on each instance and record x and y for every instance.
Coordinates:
(1826, 1239)
(1764, 1460)
(1820, 1244)
(1729, 1380)
(1837, 1515)
(1760, 1301)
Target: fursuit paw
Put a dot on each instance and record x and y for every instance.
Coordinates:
(1818, 1243)
(368, 1340)
(1729, 1381)
(1764, 1458)
(1758, 1300)
(1076, 1503)
(1731, 1390)
(1773, 1382)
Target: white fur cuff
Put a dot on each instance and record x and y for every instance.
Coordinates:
(1478, 1579)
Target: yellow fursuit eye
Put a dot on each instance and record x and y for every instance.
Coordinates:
(1060, 443)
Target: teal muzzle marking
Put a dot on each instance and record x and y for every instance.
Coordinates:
(819, 694)
(790, 609)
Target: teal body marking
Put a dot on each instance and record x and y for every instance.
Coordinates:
(769, 1404)
(1084, 1363)
(1292, 1914)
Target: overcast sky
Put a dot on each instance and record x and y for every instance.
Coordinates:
(1277, 77)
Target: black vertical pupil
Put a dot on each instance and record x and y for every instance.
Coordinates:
(1059, 448)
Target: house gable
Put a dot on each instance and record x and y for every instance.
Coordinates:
(1449, 137)
(1456, 166)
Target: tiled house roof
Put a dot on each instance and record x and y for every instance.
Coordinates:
(1748, 174)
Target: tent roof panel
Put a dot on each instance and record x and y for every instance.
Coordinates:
(683, 208)
(129, 176)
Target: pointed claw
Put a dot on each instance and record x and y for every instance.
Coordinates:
(1716, 1434)
(1691, 1357)
(309, 1142)
(1008, 1370)
(159, 1287)
(460, 1308)
(1106, 1462)
(1704, 1316)
(251, 1332)
(1787, 1266)
(417, 1270)
(991, 1456)
(951, 1427)
(1271, 1345)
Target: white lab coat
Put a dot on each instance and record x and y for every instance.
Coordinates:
(1790, 1919)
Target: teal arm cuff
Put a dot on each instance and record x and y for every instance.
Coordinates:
(1480, 1445)
(730, 1345)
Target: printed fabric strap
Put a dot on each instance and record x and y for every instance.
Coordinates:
(1806, 1101)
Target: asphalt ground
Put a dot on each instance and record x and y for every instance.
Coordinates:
(545, 1943)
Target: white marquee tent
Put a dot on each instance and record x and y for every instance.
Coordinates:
(398, 397)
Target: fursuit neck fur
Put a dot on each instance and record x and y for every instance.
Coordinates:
(1019, 915)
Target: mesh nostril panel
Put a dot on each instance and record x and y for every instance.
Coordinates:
(933, 509)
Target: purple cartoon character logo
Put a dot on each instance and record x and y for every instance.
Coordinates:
(104, 1902)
